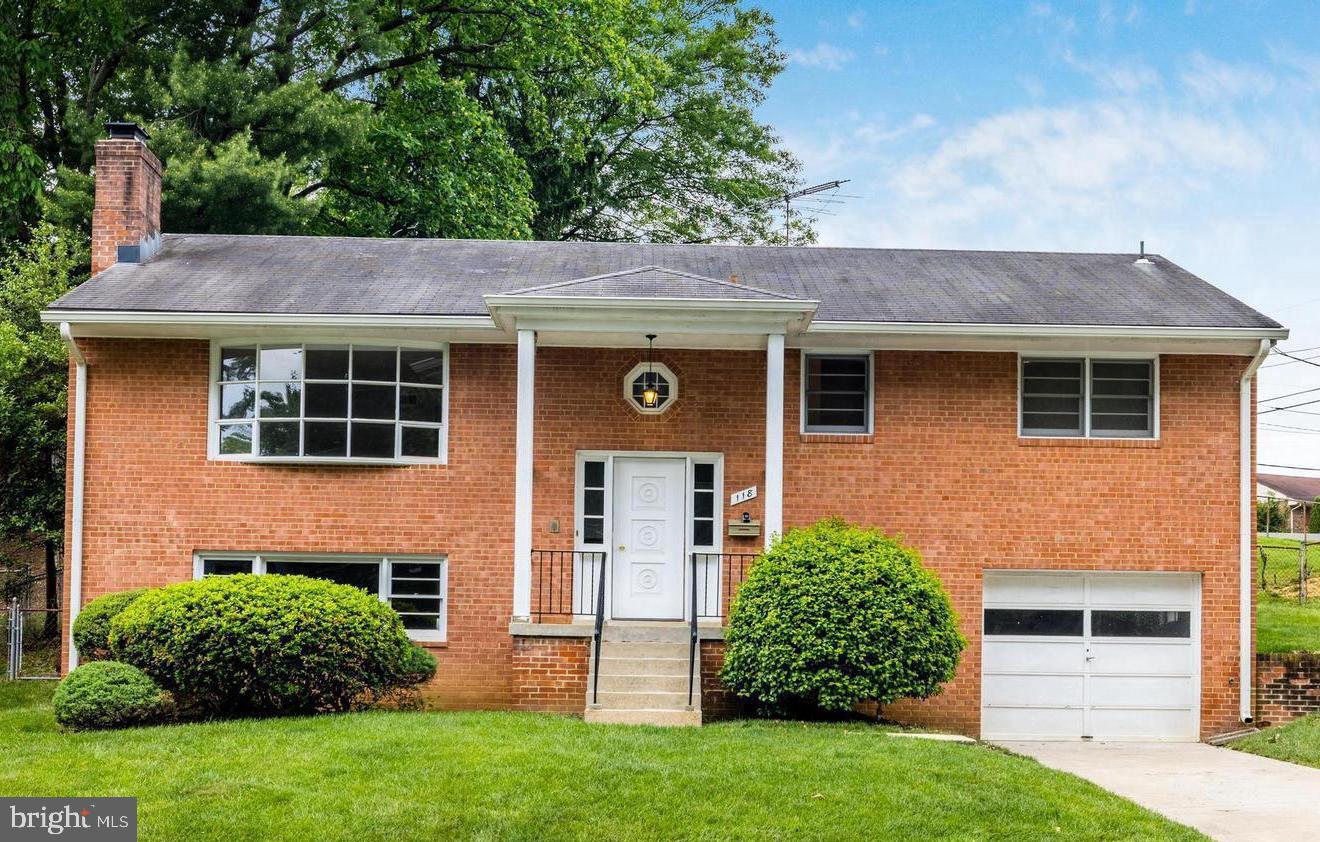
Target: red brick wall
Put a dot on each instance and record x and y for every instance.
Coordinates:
(153, 498)
(550, 674)
(127, 207)
(945, 468)
(716, 701)
(1287, 687)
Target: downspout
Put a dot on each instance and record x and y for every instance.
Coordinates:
(79, 470)
(1246, 653)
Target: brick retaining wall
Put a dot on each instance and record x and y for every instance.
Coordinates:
(1287, 686)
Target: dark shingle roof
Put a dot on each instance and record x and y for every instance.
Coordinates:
(337, 275)
(653, 282)
(1294, 488)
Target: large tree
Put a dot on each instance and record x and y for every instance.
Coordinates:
(587, 119)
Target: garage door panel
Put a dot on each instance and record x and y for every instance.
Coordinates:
(1123, 690)
(1033, 655)
(1130, 672)
(1036, 723)
(1141, 590)
(1032, 588)
(1143, 724)
(1142, 657)
(1028, 690)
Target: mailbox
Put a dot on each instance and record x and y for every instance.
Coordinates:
(744, 528)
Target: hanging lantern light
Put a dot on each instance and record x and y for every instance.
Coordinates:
(650, 392)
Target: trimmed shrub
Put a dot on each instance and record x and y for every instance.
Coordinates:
(108, 694)
(833, 615)
(272, 644)
(91, 628)
(416, 667)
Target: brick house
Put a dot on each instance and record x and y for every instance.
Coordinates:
(509, 441)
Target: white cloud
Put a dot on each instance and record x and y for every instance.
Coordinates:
(1078, 155)
(856, 19)
(1211, 79)
(1119, 77)
(824, 55)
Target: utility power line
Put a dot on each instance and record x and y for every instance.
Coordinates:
(1285, 467)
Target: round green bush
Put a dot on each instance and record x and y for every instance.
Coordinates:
(261, 645)
(108, 694)
(91, 628)
(833, 615)
(416, 667)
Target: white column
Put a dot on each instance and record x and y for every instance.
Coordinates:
(522, 493)
(774, 436)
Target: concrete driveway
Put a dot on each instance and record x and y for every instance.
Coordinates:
(1225, 794)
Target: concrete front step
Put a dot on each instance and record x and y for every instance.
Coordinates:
(612, 682)
(623, 631)
(644, 666)
(642, 716)
(642, 699)
(640, 649)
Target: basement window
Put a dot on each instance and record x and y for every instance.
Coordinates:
(290, 402)
(416, 587)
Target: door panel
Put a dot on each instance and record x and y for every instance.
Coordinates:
(649, 538)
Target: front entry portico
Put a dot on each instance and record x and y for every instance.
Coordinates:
(623, 310)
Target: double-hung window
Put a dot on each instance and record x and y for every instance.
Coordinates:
(414, 586)
(1084, 397)
(325, 402)
(836, 393)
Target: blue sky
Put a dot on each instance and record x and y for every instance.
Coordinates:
(1194, 125)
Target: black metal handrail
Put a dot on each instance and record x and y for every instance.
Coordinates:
(600, 628)
(708, 604)
(565, 582)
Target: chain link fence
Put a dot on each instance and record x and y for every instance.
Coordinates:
(1287, 552)
(31, 615)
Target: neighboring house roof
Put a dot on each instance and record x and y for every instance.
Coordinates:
(1294, 488)
(213, 273)
(652, 282)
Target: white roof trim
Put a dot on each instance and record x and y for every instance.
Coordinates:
(535, 291)
(154, 317)
(1039, 330)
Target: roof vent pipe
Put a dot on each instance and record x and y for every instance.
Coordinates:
(1142, 258)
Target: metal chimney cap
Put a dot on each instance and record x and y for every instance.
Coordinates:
(126, 130)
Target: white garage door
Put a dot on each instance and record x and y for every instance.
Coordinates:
(1104, 656)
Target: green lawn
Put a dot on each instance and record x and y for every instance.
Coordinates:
(1296, 742)
(400, 776)
(1284, 626)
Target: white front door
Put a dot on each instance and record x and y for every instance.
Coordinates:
(1103, 656)
(648, 538)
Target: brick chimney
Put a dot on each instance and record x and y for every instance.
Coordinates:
(126, 218)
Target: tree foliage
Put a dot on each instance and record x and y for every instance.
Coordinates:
(33, 383)
(574, 119)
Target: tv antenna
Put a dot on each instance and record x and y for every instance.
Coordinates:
(808, 191)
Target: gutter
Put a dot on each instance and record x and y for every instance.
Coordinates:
(1246, 466)
(79, 474)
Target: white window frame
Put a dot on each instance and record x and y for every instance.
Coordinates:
(659, 368)
(213, 402)
(1087, 360)
(258, 563)
(807, 353)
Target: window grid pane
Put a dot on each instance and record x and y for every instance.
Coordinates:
(287, 394)
(837, 393)
(593, 502)
(415, 588)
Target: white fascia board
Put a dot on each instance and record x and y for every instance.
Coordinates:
(1036, 330)
(694, 315)
(154, 317)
